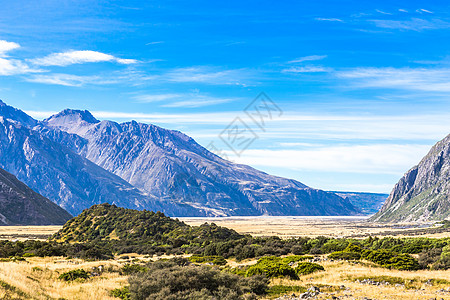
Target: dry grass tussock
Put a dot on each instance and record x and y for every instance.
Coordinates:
(37, 278)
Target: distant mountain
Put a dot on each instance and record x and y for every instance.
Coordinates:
(367, 203)
(172, 166)
(423, 193)
(20, 205)
(70, 180)
(77, 161)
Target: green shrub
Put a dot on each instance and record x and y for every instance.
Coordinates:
(296, 258)
(129, 269)
(122, 293)
(389, 259)
(306, 268)
(276, 290)
(74, 274)
(167, 281)
(214, 259)
(271, 267)
(26, 254)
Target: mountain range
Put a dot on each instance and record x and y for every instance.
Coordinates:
(20, 205)
(423, 193)
(78, 161)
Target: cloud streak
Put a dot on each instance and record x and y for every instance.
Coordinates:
(418, 79)
(63, 59)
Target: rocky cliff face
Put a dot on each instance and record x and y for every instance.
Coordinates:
(20, 205)
(76, 161)
(423, 193)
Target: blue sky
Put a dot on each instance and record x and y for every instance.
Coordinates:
(364, 86)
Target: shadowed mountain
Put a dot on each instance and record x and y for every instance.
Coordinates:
(20, 205)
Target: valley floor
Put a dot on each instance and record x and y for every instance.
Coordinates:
(285, 227)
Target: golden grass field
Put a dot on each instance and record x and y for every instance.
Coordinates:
(37, 278)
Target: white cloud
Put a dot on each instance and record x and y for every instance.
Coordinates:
(6, 46)
(382, 12)
(308, 58)
(403, 10)
(329, 19)
(156, 98)
(207, 75)
(68, 79)
(414, 24)
(78, 57)
(422, 79)
(374, 159)
(421, 10)
(188, 100)
(14, 67)
(306, 69)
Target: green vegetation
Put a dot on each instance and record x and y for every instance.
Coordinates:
(212, 259)
(74, 274)
(106, 230)
(169, 280)
(122, 293)
(272, 266)
(277, 290)
(306, 268)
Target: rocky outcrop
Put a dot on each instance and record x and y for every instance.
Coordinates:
(423, 193)
(20, 205)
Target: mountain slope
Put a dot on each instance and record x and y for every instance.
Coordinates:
(20, 205)
(172, 166)
(423, 193)
(66, 178)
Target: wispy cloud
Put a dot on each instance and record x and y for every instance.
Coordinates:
(422, 79)
(68, 79)
(12, 66)
(306, 69)
(188, 100)
(15, 67)
(392, 159)
(329, 19)
(156, 98)
(154, 43)
(208, 75)
(78, 57)
(414, 24)
(382, 12)
(307, 58)
(421, 10)
(6, 46)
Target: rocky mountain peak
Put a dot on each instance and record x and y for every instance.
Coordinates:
(423, 193)
(14, 114)
(73, 115)
(72, 121)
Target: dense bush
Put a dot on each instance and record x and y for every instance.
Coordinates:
(272, 266)
(212, 259)
(306, 268)
(74, 274)
(345, 255)
(165, 280)
(390, 259)
(129, 269)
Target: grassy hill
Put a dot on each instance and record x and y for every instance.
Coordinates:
(106, 222)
